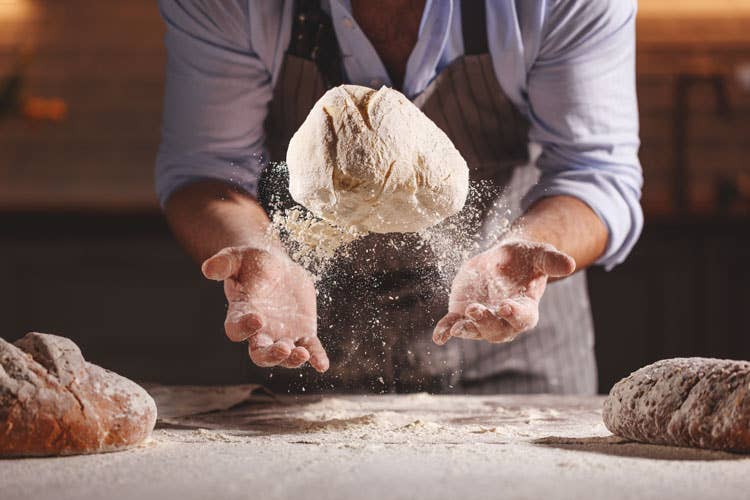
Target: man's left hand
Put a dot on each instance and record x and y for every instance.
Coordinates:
(495, 295)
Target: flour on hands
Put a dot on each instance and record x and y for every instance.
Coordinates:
(271, 304)
(495, 295)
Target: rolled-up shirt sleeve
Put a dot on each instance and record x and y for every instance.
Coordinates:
(216, 96)
(584, 113)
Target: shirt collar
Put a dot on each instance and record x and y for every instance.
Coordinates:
(362, 64)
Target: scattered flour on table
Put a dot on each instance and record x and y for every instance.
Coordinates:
(408, 420)
(216, 436)
(200, 435)
(338, 414)
(581, 462)
(462, 431)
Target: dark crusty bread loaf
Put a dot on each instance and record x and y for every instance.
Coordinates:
(699, 402)
(52, 402)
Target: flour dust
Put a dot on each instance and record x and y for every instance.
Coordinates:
(380, 295)
(310, 241)
(315, 243)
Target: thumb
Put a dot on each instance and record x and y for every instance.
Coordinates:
(555, 264)
(222, 265)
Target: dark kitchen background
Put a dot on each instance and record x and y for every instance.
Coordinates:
(85, 253)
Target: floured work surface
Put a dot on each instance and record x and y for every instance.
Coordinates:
(406, 446)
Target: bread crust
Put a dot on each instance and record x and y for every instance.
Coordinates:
(53, 402)
(696, 402)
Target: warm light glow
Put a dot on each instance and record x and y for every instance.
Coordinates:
(16, 10)
(18, 27)
(691, 8)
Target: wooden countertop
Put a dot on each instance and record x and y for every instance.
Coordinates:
(383, 447)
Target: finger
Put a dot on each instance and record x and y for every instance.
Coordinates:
(465, 329)
(441, 334)
(222, 265)
(521, 313)
(555, 263)
(477, 312)
(297, 358)
(318, 356)
(492, 327)
(265, 352)
(241, 327)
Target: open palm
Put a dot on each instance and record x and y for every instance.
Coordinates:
(495, 295)
(272, 304)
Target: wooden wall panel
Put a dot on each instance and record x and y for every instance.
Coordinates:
(105, 59)
(717, 146)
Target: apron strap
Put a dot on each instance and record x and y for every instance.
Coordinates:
(474, 27)
(314, 39)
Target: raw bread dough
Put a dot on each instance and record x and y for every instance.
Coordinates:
(372, 161)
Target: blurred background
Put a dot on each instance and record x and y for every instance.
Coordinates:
(85, 253)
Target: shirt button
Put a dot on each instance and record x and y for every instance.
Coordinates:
(348, 23)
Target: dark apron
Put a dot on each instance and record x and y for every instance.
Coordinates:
(377, 308)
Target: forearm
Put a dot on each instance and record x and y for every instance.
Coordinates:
(569, 225)
(210, 215)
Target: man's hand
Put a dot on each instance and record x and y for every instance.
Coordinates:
(495, 295)
(271, 304)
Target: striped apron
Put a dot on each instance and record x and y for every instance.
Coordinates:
(378, 307)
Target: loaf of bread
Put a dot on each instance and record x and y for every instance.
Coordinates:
(52, 402)
(697, 402)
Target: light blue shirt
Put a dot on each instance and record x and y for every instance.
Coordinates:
(568, 65)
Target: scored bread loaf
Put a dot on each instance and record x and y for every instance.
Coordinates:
(697, 402)
(53, 402)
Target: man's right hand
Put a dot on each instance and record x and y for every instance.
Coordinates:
(272, 304)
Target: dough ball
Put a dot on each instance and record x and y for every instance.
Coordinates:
(372, 161)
